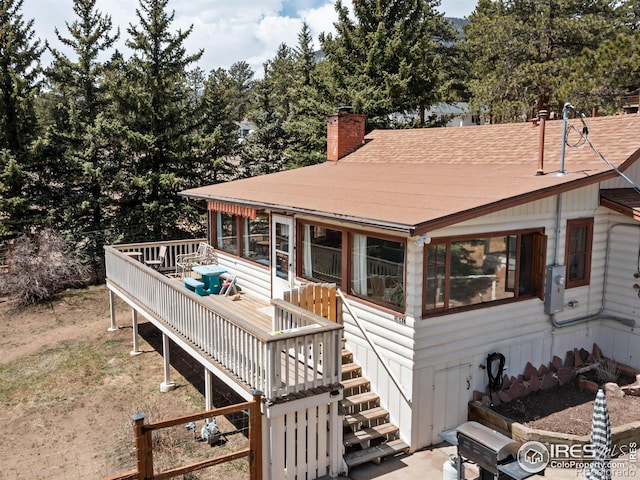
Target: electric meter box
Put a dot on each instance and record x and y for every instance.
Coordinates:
(554, 291)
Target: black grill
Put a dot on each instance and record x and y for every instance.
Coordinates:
(485, 447)
(494, 453)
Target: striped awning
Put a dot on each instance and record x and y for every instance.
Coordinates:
(232, 209)
(600, 440)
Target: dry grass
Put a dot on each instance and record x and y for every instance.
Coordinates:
(68, 389)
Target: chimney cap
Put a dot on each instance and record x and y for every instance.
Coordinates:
(345, 109)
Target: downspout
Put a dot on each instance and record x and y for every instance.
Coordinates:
(630, 322)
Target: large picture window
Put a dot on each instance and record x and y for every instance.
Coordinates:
(578, 251)
(377, 269)
(473, 271)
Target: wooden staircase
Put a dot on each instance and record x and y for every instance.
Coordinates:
(369, 435)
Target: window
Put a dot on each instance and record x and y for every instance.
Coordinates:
(578, 251)
(243, 236)
(256, 239)
(377, 267)
(227, 240)
(474, 271)
(322, 254)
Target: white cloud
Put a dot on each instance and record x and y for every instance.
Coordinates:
(228, 31)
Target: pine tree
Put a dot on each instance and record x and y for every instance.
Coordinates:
(601, 75)
(522, 53)
(306, 125)
(72, 169)
(158, 121)
(388, 60)
(216, 140)
(264, 151)
(19, 70)
(240, 90)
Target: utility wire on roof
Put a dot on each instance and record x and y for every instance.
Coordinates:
(584, 139)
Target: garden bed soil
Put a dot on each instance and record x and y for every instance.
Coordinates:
(567, 409)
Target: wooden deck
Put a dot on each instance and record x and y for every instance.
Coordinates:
(250, 308)
(273, 346)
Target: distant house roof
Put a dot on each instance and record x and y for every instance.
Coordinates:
(456, 109)
(416, 180)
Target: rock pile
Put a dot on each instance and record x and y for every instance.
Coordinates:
(571, 370)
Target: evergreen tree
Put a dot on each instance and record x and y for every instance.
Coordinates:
(240, 90)
(217, 137)
(19, 69)
(264, 151)
(14, 205)
(158, 120)
(600, 76)
(521, 53)
(72, 169)
(388, 59)
(306, 125)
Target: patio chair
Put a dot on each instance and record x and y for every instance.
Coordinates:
(157, 263)
(204, 255)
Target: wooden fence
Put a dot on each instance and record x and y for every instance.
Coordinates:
(319, 298)
(144, 445)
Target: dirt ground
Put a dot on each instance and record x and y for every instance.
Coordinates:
(567, 409)
(68, 389)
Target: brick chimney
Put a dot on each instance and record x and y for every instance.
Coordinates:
(345, 133)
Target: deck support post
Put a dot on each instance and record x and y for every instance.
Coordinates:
(208, 389)
(335, 442)
(167, 385)
(112, 310)
(134, 325)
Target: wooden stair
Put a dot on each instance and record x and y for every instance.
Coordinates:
(369, 436)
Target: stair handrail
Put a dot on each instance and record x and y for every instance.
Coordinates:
(374, 347)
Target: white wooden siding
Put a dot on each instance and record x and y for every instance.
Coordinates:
(617, 340)
(250, 276)
(632, 172)
(433, 357)
(521, 330)
(395, 343)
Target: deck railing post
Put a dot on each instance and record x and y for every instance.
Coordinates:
(255, 437)
(141, 454)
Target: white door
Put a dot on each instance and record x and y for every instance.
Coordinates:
(282, 262)
(451, 393)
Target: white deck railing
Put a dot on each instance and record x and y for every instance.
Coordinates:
(304, 355)
(150, 251)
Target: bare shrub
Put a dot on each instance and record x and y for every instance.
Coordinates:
(40, 266)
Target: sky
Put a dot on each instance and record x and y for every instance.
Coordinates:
(229, 31)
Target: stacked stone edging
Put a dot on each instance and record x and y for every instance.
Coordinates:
(558, 372)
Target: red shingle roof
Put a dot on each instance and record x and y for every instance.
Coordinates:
(419, 179)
